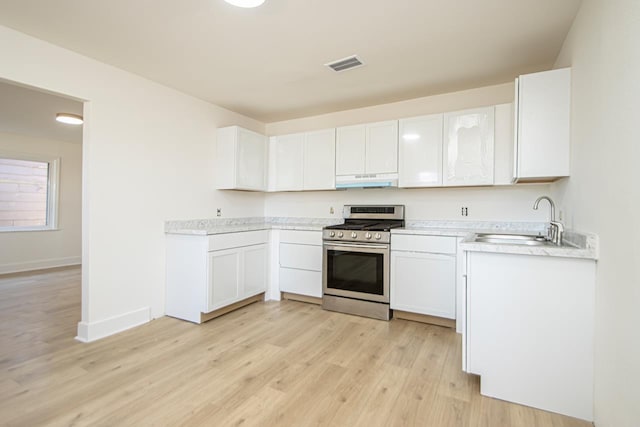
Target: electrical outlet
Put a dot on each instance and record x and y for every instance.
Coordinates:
(561, 215)
(464, 211)
(219, 212)
(331, 211)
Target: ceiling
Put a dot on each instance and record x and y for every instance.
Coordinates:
(267, 63)
(29, 112)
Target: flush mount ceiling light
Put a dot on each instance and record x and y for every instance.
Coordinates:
(245, 3)
(69, 119)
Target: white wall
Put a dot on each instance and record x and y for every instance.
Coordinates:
(603, 193)
(148, 156)
(511, 203)
(28, 250)
(485, 204)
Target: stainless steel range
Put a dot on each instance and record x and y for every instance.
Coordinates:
(355, 274)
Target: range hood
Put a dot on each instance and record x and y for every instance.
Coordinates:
(373, 180)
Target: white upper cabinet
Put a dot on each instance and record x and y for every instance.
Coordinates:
(286, 162)
(542, 134)
(351, 150)
(367, 149)
(382, 147)
(503, 138)
(241, 158)
(320, 160)
(420, 151)
(302, 161)
(468, 147)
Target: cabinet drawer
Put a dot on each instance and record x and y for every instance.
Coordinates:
(235, 240)
(301, 237)
(415, 243)
(305, 257)
(301, 282)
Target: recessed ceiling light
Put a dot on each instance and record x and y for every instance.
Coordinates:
(245, 3)
(69, 119)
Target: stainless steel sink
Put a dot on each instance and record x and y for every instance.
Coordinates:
(513, 239)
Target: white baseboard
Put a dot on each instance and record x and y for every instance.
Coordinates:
(92, 331)
(39, 264)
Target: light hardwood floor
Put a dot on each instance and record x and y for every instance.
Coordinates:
(278, 363)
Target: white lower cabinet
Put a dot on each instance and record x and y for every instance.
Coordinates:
(423, 275)
(206, 273)
(300, 262)
(529, 330)
(224, 278)
(255, 269)
(235, 274)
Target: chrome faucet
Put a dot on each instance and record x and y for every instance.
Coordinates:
(556, 228)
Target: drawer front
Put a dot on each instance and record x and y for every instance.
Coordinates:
(432, 244)
(301, 237)
(304, 257)
(301, 282)
(236, 240)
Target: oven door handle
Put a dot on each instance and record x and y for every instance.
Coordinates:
(354, 246)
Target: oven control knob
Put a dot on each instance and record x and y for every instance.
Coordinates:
(367, 236)
(340, 234)
(354, 234)
(332, 234)
(378, 236)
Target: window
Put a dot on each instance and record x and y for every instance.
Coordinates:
(28, 193)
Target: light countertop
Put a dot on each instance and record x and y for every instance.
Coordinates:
(578, 245)
(236, 225)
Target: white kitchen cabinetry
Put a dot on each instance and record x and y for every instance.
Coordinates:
(351, 148)
(529, 330)
(542, 129)
(367, 149)
(302, 161)
(286, 162)
(382, 147)
(241, 159)
(320, 160)
(423, 274)
(468, 147)
(420, 151)
(503, 145)
(300, 262)
(207, 273)
(224, 278)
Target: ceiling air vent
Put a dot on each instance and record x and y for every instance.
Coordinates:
(345, 63)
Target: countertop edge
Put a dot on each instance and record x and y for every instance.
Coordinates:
(558, 252)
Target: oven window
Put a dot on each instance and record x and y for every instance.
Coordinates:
(355, 271)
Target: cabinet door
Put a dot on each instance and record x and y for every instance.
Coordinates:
(350, 150)
(420, 151)
(320, 160)
(254, 270)
(382, 147)
(543, 124)
(251, 160)
(503, 147)
(468, 149)
(288, 162)
(423, 283)
(224, 278)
